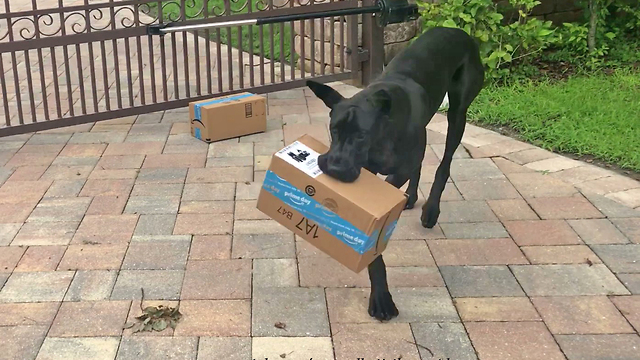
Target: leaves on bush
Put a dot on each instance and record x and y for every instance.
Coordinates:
(155, 318)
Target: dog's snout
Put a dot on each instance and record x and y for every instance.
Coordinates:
(335, 160)
(338, 168)
(322, 162)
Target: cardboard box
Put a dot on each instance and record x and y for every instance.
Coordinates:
(351, 222)
(228, 117)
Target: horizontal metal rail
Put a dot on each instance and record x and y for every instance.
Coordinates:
(390, 12)
(171, 28)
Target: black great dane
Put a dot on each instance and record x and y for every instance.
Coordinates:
(383, 128)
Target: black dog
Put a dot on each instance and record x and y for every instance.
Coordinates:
(383, 127)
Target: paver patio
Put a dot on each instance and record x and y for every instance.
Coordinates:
(526, 262)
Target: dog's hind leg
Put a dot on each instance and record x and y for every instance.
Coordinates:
(461, 94)
(398, 180)
(414, 178)
(431, 209)
(412, 189)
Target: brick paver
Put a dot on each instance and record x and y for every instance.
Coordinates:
(513, 340)
(480, 281)
(496, 309)
(319, 348)
(594, 347)
(90, 318)
(524, 263)
(581, 315)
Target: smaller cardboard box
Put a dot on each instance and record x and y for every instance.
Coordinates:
(351, 222)
(228, 117)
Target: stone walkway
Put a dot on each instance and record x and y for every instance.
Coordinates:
(535, 256)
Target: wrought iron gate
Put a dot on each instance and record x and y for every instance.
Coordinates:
(81, 61)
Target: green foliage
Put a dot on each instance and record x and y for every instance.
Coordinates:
(501, 42)
(574, 38)
(614, 21)
(594, 115)
(628, 15)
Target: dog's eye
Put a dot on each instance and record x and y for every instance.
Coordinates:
(360, 136)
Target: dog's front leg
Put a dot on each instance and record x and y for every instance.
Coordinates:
(381, 304)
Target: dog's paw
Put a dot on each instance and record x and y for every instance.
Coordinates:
(411, 202)
(381, 306)
(430, 216)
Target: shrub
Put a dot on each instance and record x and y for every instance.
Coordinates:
(609, 21)
(501, 43)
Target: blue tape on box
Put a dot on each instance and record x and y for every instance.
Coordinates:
(197, 133)
(197, 108)
(329, 221)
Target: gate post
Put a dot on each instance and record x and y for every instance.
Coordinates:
(372, 46)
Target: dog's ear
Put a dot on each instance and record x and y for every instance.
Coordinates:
(381, 100)
(329, 96)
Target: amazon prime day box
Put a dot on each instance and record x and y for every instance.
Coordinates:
(228, 117)
(351, 222)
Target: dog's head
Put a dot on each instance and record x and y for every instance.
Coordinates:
(355, 124)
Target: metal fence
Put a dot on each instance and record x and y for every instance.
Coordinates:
(71, 62)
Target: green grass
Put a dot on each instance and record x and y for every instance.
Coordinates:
(172, 11)
(596, 115)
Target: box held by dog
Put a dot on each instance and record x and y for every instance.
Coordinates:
(227, 117)
(351, 222)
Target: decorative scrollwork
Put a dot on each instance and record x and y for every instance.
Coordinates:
(98, 15)
(191, 5)
(26, 32)
(217, 11)
(172, 15)
(125, 21)
(145, 9)
(45, 21)
(114, 15)
(77, 27)
(242, 8)
(309, 2)
(262, 5)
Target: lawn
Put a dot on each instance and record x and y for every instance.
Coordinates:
(595, 115)
(172, 11)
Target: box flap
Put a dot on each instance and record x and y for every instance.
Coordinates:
(372, 195)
